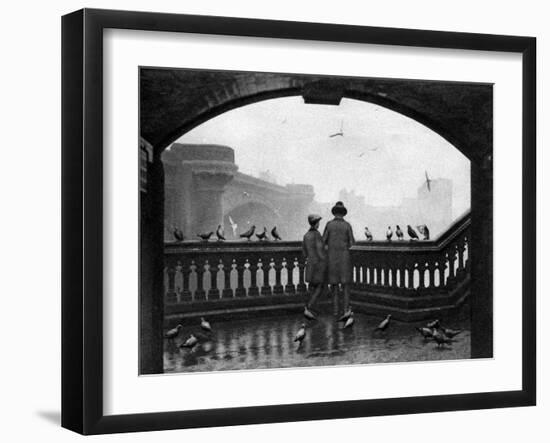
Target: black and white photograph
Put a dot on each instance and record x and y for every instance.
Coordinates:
(306, 221)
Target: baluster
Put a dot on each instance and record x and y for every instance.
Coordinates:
(451, 257)
(253, 290)
(266, 289)
(199, 293)
(301, 286)
(289, 287)
(178, 281)
(461, 247)
(240, 291)
(213, 292)
(227, 291)
(277, 266)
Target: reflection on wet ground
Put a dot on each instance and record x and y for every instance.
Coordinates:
(268, 342)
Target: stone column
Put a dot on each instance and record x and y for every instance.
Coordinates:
(209, 182)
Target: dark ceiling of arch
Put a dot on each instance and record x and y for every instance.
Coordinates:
(174, 101)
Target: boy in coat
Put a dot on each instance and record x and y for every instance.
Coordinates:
(313, 249)
(338, 238)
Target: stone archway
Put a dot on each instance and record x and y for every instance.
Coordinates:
(175, 101)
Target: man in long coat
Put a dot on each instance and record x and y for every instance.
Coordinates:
(338, 237)
(313, 249)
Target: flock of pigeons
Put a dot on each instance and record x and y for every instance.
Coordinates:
(220, 234)
(433, 330)
(413, 236)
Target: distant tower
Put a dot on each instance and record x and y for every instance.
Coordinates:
(435, 205)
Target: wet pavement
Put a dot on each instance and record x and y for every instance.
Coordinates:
(268, 342)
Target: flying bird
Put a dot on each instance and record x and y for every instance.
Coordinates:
(275, 233)
(190, 342)
(205, 325)
(262, 235)
(339, 133)
(412, 233)
(246, 194)
(389, 233)
(248, 233)
(205, 236)
(349, 322)
(173, 333)
(428, 181)
(178, 235)
(368, 234)
(301, 334)
(398, 232)
(361, 155)
(384, 324)
(233, 226)
(220, 234)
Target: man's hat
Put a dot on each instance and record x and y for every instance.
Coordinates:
(339, 209)
(313, 218)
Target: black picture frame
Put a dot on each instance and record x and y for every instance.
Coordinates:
(82, 220)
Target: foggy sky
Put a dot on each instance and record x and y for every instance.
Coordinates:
(383, 154)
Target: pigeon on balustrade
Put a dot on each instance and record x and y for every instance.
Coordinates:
(349, 322)
(301, 334)
(384, 324)
(190, 343)
(423, 229)
(206, 235)
(368, 234)
(249, 233)
(275, 233)
(389, 233)
(412, 233)
(205, 325)
(173, 333)
(426, 332)
(262, 235)
(398, 232)
(220, 234)
(178, 235)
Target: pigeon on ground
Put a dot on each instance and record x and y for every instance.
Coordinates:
(349, 322)
(308, 314)
(389, 233)
(368, 234)
(173, 333)
(398, 232)
(220, 234)
(262, 235)
(190, 342)
(206, 235)
(426, 332)
(384, 324)
(434, 324)
(301, 334)
(275, 233)
(248, 233)
(412, 233)
(205, 325)
(178, 235)
(451, 333)
(346, 315)
(440, 338)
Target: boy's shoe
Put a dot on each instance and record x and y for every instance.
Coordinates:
(346, 315)
(308, 314)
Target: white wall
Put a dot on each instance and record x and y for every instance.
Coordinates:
(30, 225)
